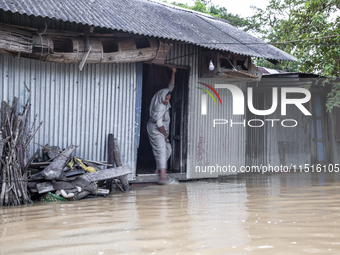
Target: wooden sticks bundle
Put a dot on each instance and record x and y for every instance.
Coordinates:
(14, 139)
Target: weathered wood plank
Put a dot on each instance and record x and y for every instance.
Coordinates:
(116, 154)
(44, 187)
(101, 192)
(164, 48)
(109, 173)
(96, 176)
(81, 195)
(137, 55)
(38, 164)
(154, 178)
(60, 161)
(110, 158)
(75, 172)
(13, 39)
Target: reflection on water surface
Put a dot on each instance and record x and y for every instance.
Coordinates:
(260, 214)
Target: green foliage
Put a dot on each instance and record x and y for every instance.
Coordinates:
(307, 29)
(199, 6)
(287, 66)
(206, 6)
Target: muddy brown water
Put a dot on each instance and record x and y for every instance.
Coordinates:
(247, 214)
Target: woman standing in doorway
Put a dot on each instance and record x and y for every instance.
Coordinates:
(158, 128)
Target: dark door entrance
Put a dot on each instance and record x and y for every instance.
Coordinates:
(157, 77)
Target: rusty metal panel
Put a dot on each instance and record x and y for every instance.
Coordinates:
(77, 107)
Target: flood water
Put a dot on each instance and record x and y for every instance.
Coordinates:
(296, 213)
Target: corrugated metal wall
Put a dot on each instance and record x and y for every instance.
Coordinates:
(278, 145)
(209, 146)
(79, 108)
(334, 149)
(256, 150)
(289, 146)
(221, 145)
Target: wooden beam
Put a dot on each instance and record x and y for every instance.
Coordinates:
(154, 178)
(81, 195)
(59, 162)
(12, 39)
(235, 62)
(101, 192)
(96, 176)
(116, 154)
(87, 46)
(137, 55)
(75, 172)
(110, 158)
(108, 173)
(44, 187)
(162, 52)
(167, 65)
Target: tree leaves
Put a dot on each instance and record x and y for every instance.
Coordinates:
(308, 29)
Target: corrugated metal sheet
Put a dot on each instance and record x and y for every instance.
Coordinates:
(79, 108)
(151, 19)
(208, 146)
(139, 74)
(221, 145)
(183, 55)
(334, 149)
(256, 151)
(278, 145)
(270, 71)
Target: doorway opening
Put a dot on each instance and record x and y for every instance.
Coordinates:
(156, 77)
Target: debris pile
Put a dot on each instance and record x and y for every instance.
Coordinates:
(61, 173)
(70, 177)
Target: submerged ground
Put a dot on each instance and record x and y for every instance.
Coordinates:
(275, 213)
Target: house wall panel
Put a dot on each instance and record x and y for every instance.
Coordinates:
(220, 146)
(76, 107)
(276, 145)
(209, 146)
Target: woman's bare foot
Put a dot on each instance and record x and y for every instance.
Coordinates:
(162, 177)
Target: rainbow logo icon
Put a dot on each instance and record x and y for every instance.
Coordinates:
(209, 93)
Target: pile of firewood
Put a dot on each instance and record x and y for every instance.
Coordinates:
(15, 135)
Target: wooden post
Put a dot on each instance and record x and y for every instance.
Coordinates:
(110, 158)
(235, 62)
(123, 179)
(88, 47)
